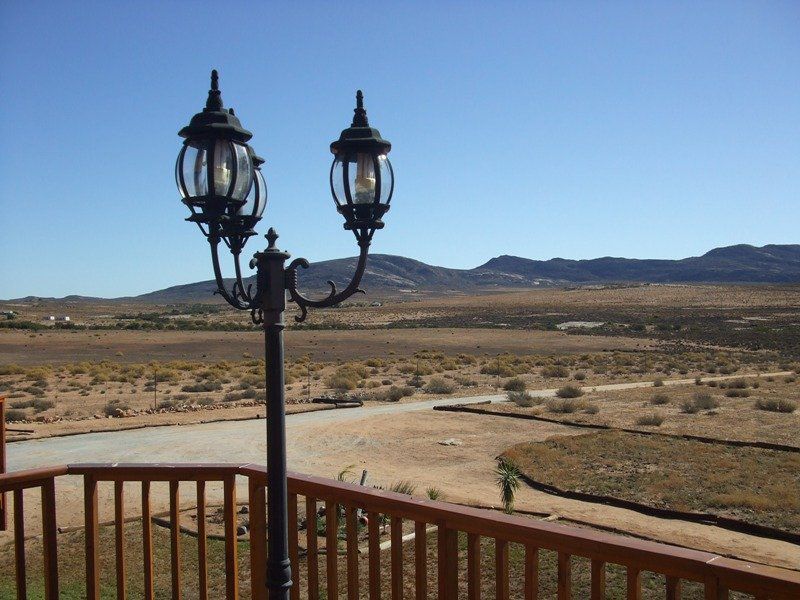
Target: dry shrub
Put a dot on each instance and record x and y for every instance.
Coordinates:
(564, 405)
(555, 371)
(579, 375)
(590, 408)
(653, 419)
(658, 382)
(737, 393)
(523, 399)
(658, 399)
(776, 405)
(13, 415)
(569, 391)
(516, 384)
(41, 405)
(437, 385)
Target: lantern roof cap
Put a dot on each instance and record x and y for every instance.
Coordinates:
(214, 120)
(360, 137)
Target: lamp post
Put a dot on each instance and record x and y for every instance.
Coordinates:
(219, 178)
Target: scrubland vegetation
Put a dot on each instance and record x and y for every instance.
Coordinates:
(115, 389)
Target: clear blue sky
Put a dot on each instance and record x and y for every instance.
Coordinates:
(539, 129)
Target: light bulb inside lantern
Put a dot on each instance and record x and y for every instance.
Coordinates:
(365, 179)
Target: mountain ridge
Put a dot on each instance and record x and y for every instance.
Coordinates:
(385, 273)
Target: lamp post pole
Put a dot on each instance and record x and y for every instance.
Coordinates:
(219, 177)
(271, 279)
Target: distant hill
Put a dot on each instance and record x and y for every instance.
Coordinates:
(387, 274)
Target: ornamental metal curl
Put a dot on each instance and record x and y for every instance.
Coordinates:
(243, 297)
(333, 298)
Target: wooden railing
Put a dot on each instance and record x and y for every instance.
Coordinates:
(717, 575)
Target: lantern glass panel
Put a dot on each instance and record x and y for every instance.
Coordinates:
(195, 171)
(223, 167)
(337, 180)
(244, 173)
(261, 197)
(362, 178)
(257, 198)
(387, 179)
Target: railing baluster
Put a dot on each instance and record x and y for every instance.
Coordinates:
(351, 521)
(231, 543)
(332, 548)
(119, 538)
(19, 544)
(420, 561)
(174, 538)
(501, 568)
(531, 573)
(49, 541)
(312, 558)
(258, 539)
(374, 556)
(147, 541)
(473, 566)
(294, 553)
(673, 588)
(598, 580)
(714, 590)
(564, 576)
(91, 537)
(634, 577)
(448, 563)
(396, 533)
(202, 554)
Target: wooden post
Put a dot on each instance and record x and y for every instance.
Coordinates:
(175, 538)
(420, 561)
(119, 536)
(531, 573)
(91, 537)
(3, 497)
(396, 533)
(202, 554)
(473, 566)
(599, 579)
(147, 542)
(448, 563)
(332, 548)
(231, 543)
(19, 544)
(258, 540)
(49, 539)
(374, 556)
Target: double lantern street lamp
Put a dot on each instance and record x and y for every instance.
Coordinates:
(219, 177)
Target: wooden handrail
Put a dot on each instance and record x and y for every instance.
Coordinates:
(715, 572)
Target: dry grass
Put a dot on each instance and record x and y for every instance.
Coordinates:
(751, 484)
(734, 418)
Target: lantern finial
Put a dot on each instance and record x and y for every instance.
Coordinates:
(214, 101)
(360, 118)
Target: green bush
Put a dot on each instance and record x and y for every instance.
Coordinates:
(516, 384)
(569, 391)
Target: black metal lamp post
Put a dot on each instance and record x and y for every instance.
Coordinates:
(219, 178)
